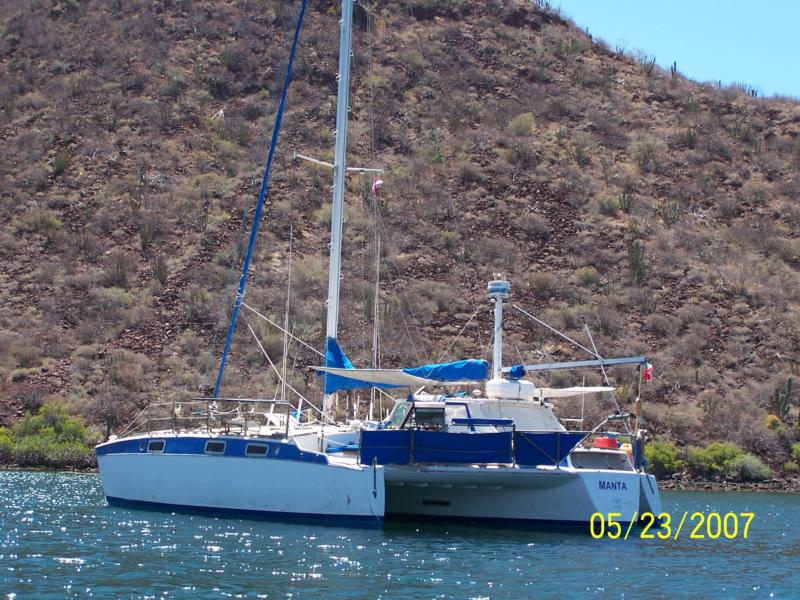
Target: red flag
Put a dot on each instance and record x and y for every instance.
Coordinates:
(376, 185)
(648, 372)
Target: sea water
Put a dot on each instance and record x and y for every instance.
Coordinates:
(59, 539)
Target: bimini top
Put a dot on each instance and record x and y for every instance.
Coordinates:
(341, 375)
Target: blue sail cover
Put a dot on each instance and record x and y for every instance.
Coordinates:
(517, 372)
(460, 370)
(335, 357)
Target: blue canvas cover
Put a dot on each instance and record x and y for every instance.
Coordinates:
(335, 357)
(462, 448)
(399, 447)
(386, 446)
(459, 370)
(517, 372)
(533, 448)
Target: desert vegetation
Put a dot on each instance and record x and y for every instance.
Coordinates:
(659, 212)
(50, 438)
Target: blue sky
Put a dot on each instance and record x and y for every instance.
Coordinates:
(756, 43)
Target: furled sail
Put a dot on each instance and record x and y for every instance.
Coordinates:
(341, 375)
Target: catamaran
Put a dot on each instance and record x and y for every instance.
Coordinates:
(483, 456)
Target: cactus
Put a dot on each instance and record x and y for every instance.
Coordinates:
(669, 210)
(649, 66)
(626, 201)
(636, 260)
(782, 399)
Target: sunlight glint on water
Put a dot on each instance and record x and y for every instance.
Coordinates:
(58, 538)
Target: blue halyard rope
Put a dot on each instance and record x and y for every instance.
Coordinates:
(260, 205)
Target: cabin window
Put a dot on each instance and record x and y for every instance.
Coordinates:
(276, 450)
(156, 446)
(256, 450)
(456, 411)
(215, 447)
(429, 417)
(398, 415)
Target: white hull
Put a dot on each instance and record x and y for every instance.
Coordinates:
(515, 495)
(337, 489)
(245, 486)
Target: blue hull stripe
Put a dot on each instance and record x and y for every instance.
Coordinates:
(195, 445)
(261, 515)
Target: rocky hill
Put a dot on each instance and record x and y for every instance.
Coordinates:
(661, 213)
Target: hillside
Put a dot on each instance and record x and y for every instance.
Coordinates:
(661, 212)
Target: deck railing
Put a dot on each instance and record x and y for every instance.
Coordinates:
(243, 416)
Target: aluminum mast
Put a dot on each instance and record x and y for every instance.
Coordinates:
(339, 169)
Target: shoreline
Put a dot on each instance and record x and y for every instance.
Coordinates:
(691, 484)
(673, 484)
(88, 470)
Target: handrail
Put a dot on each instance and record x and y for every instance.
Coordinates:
(473, 422)
(152, 416)
(244, 400)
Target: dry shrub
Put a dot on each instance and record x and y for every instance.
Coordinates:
(661, 325)
(535, 227)
(128, 369)
(543, 285)
(648, 154)
(495, 253)
(521, 125)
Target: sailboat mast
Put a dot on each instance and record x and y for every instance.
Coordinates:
(375, 311)
(339, 170)
(286, 318)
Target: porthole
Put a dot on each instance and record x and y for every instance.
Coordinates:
(255, 450)
(215, 447)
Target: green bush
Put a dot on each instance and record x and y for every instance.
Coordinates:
(663, 458)
(41, 451)
(52, 422)
(51, 438)
(796, 452)
(6, 446)
(714, 458)
(747, 467)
